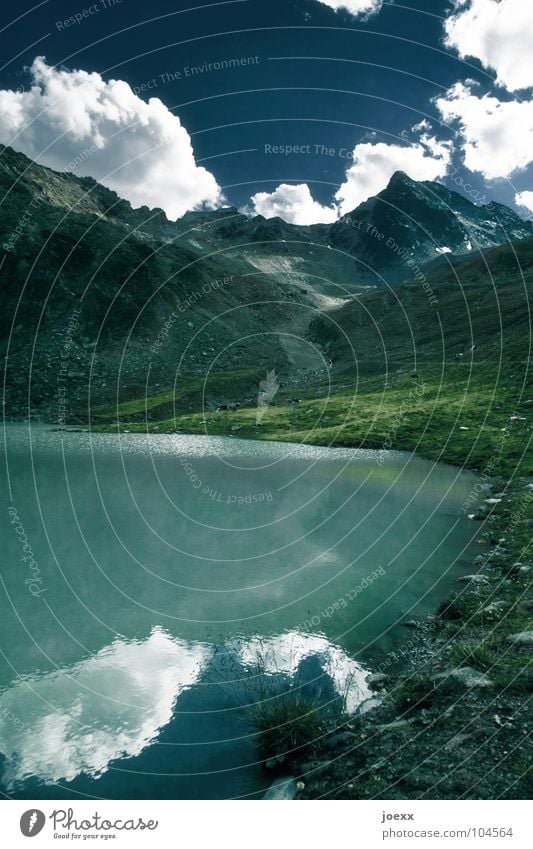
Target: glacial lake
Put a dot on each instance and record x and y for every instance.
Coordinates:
(150, 584)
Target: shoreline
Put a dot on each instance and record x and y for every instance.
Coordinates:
(452, 723)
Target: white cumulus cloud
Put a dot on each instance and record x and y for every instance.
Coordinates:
(374, 165)
(500, 34)
(110, 705)
(525, 199)
(75, 120)
(496, 136)
(355, 7)
(294, 204)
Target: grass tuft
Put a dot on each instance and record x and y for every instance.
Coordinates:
(287, 723)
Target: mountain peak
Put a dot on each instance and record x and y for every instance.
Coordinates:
(401, 178)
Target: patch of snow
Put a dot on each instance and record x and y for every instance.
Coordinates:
(275, 264)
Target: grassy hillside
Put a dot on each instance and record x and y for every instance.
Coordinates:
(449, 380)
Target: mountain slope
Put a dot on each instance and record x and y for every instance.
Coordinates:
(466, 310)
(371, 245)
(104, 304)
(90, 286)
(420, 222)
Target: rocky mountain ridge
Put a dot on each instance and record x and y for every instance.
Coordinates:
(122, 302)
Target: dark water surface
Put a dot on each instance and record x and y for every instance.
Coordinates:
(167, 577)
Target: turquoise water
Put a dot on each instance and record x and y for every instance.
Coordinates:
(150, 585)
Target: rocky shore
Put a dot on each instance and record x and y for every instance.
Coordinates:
(452, 719)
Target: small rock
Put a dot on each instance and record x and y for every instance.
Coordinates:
(397, 725)
(467, 676)
(368, 704)
(376, 677)
(525, 638)
(473, 579)
(494, 607)
(300, 785)
(421, 780)
(272, 763)
(338, 739)
(457, 741)
(315, 766)
(377, 680)
(282, 789)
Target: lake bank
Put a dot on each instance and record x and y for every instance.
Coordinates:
(454, 719)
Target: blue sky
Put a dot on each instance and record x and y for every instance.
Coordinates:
(284, 107)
